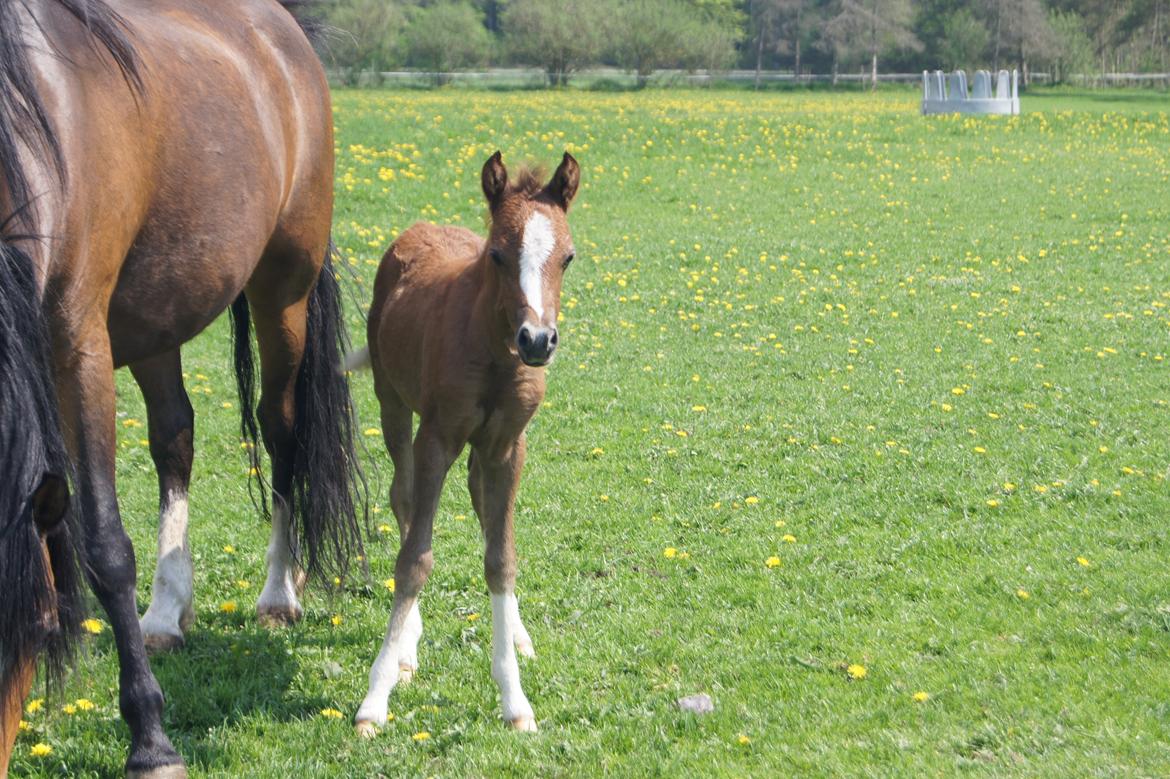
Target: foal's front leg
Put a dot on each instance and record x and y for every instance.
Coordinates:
(493, 483)
(433, 455)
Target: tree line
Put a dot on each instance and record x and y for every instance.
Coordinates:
(1060, 37)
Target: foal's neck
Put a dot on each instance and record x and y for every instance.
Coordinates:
(486, 316)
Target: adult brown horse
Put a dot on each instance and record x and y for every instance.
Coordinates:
(460, 330)
(157, 159)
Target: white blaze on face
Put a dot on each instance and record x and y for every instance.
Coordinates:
(535, 250)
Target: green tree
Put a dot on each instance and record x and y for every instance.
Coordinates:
(860, 30)
(964, 40)
(366, 38)
(445, 37)
(647, 35)
(560, 36)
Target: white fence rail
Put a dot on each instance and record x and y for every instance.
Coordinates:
(535, 77)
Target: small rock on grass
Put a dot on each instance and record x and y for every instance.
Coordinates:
(697, 704)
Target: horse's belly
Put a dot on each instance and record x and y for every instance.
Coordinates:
(161, 303)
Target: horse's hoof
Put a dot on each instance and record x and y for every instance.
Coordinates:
(525, 650)
(406, 673)
(176, 771)
(365, 728)
(278, 616)
(524, 724)
(158, 643)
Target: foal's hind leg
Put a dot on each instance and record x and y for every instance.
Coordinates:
(495, 479)
(397, 424)
(171, 423)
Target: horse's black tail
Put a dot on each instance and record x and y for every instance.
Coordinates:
(328, 501)
(34, 474)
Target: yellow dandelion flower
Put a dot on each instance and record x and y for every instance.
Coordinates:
(384, 528)
(1022, 594)
(40, 750)
(22, 726)
(69, 709)
(789, 538)
(992, 502)
(743, 739)
(331, 714)
(956, 391)
(35, 705)
(229, 548)
(473, 616)
(751, 500)
(1084, 561)
(92, 626)
(227, 607)
(699, 409)
(336, 620)
(422, 735)
(389, 584)
(772, 561)
(597, 451)
(922, 696)
(979, 450)
(856, 672)
(84, 704)
(669, 552)
(1009, 486)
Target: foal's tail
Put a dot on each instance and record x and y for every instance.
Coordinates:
(328, 501)
(34, 473)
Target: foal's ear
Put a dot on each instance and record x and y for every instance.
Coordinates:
(494, 178)
(50, 501)
(563, 186)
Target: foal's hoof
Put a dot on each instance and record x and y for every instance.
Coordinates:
(524, 724)
(406, 673)
(365, 728)
(278, 616)
(177, 771)
(159, 643)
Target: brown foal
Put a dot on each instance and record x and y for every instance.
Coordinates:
(460, 330)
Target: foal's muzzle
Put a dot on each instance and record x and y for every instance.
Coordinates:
(536, 344)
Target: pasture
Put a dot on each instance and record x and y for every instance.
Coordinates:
(860, 425)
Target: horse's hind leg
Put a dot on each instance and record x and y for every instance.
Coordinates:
(172, 423)
(280, 331)
(397, 424)
(85, 389)
(495, 479)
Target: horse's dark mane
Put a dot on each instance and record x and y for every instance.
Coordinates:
(23, 117)
(308, 17)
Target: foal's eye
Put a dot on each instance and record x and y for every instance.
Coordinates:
(568, 260)
(497, 257)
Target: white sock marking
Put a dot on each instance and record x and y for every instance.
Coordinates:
(173, 591)
(505, 669)
(280, 589)
(535, 249)
(384, 671)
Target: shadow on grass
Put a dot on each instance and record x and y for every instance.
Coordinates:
(224, 678)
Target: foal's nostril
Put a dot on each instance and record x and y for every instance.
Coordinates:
(524, 338)
(553, 340)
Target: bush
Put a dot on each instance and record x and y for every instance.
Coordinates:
(445, 37)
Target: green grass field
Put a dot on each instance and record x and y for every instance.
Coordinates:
(838, 386)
